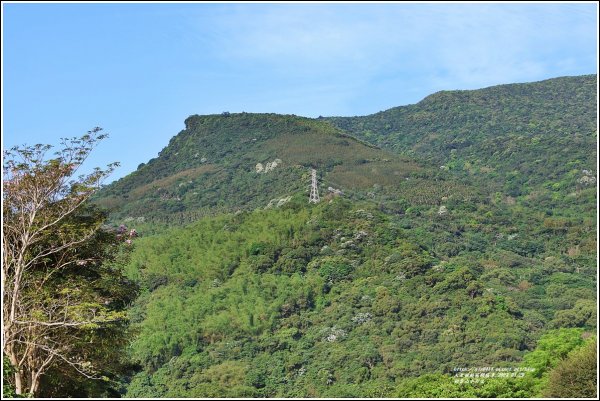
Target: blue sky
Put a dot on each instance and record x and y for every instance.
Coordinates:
(138, 70)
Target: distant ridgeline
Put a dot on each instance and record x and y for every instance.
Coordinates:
(536, 139)
(514, 138)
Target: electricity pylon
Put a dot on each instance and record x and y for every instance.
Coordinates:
(314, 190)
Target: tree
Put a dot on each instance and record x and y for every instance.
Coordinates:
(575, 376)
(61, 283)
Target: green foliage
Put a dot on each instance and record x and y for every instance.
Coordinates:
(551, 348)
(100, 294)
(516, 138)
(571, 377)
(211, 167)
(335, 269)
(583, 314)
(575, 376)
(327, 300)
(8, 390)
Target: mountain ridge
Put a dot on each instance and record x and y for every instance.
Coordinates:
(466, 91)
(222, 160)
(498, 130)
(515, 139)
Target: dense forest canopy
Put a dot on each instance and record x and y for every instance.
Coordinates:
(341, 299)
(515, 138)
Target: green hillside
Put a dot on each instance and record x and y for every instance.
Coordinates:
(342, 300)
(213, 166)
(513, 138)
(468, 240)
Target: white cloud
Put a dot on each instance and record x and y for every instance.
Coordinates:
(436, 46)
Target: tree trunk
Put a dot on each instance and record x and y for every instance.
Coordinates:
(35, 384)
(18, 372)
(18, 383)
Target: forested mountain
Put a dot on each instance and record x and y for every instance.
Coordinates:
(516, 137)
(520, 139)
(468, 241)
(232, 162)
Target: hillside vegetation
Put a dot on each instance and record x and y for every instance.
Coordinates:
(239, 161)
(456, 233)
(228, 162)
(514, 138)
(340, 299)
